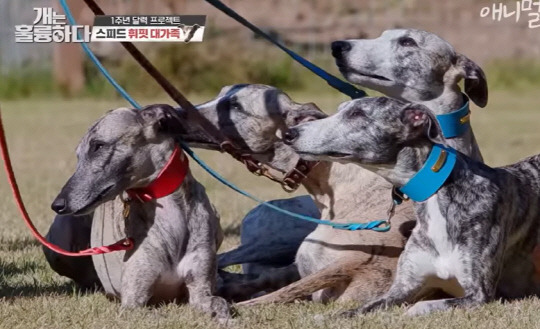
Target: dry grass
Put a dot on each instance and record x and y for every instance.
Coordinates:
(42, 136)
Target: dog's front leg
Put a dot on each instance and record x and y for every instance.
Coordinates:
(479, 288)
(429, 306)
(138, 279)
(199, 269)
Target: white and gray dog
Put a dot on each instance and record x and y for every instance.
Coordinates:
(176, 236)
(415, 66)
(475, 237)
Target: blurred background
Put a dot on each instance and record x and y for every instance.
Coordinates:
(231, 54)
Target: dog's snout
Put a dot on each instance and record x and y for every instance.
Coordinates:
(59, 205)
(340, 47)
(290, 136)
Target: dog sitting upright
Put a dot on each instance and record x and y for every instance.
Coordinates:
(477, 227)
(174, 227)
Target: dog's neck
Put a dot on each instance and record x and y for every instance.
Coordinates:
(144, 214)
(409, 161)
(450, 100)
(339, 190)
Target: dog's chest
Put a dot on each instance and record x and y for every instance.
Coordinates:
(442, 258)
(169, 286)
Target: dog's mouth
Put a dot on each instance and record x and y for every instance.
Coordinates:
(345, 69)
(373, 76)
(338, 155)
(332, 156)
(104, 193)
(342, 65)
(368, 75)
(90, 206)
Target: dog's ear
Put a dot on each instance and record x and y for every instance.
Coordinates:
(420, 121)
(306, 112)
(475, 80)
(162, 118)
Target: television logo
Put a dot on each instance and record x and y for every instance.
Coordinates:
(49, 26)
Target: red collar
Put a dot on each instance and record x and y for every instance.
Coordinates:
(168, 180)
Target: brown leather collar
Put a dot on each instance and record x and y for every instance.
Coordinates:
(290, 182)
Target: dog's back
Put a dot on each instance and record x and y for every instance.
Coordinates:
(521, 273)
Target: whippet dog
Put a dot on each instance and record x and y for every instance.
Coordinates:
(410, 65)
(174, 227)
(477, 227)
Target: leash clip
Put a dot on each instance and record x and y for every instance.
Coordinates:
(289, 185)
(398, 197)
(127, 206)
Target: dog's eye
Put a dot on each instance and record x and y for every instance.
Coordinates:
(356, 113)
(407, 42)
(233, 104)
(96, 146)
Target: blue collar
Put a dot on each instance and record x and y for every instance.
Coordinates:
(455, 123)
(433, 174)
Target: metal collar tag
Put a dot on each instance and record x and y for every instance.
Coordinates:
(433, 174)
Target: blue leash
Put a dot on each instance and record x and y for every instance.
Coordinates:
(342, 86)
(378, 225)
(374, 225)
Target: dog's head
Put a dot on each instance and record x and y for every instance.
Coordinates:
(253, 117)
(124, 149)
(411, 65)
(368, 131)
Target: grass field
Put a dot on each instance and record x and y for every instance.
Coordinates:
(42, 135)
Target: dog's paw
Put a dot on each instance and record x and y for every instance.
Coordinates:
(319, 318)
(227, 322)
(350, 313)
(219, 308)
(424, 307)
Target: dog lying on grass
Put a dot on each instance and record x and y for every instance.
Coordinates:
(176, 235)
(406, 64)
(475, 236)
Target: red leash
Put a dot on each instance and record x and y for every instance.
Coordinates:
(125, 244)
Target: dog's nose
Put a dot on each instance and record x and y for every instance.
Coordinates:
(59, 205)
(339, 47)
(290, 135)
